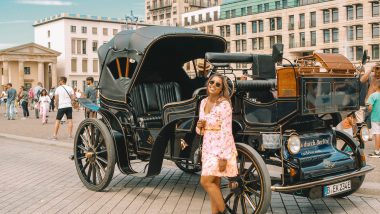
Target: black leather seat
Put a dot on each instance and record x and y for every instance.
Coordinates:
(149, 98)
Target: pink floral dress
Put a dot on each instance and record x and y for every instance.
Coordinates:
(218, 144)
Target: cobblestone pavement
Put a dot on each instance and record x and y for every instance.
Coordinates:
(41, 179)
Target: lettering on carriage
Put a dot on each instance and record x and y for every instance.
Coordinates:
(315, 142)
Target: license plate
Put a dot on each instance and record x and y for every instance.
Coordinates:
(334, 189)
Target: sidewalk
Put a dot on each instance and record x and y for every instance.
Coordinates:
(32, 129)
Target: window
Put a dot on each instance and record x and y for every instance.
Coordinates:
(74, 84)
(302, 39)
(326, 16)
(48, 45)
(254, 44)
(375, 30)
(228, 14)
(114, 31)
(48, 32)
(350, 53)
(237, 44)
(208, 17)
(326, 36)
(350, 33)
(279, 39)
(228, 31)
(291, 40)
(291, 22)
(95, 66)
(335, 35)
(84, 65)
(228, 44)
(237, 29)
(302, 21)
(243, 28)
(326, 50)
(233, 13)
(79, 46)
(105, 31)
(359, 32)
(375, 9)
(221, 31)
(313, 19)
(272, 24)
(313, 38)
(94, 46)
(260, 8)
(359, 11)
(359, 52)
(84, 48)
(277, 5)
(261, 43)
(200, 19)
(73, 65)
(72, 46)
(266, 7)
(94, 30)
(284, 3)
(335, 15)
(243, 11)
(210, 29)
(84, 29)
(350, 12)
(249, 10)
(375, 51)
(261, 26)
(27, 70)
(272, 40)
(279, 23)
(73, 29)
(244, 45)
(254, 27)
(335, 50)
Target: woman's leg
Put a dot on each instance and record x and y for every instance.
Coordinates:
(23, 108)
(27, 109)
(211, 184)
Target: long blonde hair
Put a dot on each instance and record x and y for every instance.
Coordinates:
(225, 94)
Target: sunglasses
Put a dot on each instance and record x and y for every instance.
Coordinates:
(217, 84)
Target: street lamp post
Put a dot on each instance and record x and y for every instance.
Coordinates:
(132, 19)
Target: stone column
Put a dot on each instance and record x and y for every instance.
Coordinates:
(20, 73)
(54, 76)
(40, 74)
(5, 80)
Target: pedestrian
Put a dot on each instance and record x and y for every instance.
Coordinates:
(244, 75)
(44, 102)
(3, 99)
(51, 95)
(36, 92)
(31, 96)
(90, 93)
(64, 94)
(374, 107)
(218, 149)
(11, 98)
(78, 95)
(23, 97)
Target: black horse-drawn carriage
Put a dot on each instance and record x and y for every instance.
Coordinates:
(149, 106)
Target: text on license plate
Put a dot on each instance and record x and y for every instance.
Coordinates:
(336, 188)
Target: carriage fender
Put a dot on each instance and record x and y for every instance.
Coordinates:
(159, 146)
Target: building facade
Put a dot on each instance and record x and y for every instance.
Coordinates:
(169, 12)
(77, 38)
(332, 26)
(26, 65)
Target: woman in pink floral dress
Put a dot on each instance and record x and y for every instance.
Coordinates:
(219, 151)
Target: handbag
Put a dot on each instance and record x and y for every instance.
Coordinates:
(74, 102)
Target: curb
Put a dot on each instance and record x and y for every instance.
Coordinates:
(56, 143)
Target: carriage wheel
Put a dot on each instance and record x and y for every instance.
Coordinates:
(253, 194)
(346, 144)
(94, 154)
(188, 166)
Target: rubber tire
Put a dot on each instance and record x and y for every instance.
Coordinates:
(111, 154)
(265, 180)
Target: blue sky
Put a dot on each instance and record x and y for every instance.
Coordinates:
(17, 16)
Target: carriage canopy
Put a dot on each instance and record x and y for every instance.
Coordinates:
(150, 54)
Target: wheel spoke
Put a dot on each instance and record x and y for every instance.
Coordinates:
(101, 152)
(92, 131)
(88, 136)
(102, 160)
(89, 172)
(224, 186)
(242, 163)
(84, 141)
(81, 157)
(250, 190)
(94, 173)
(82, 148)
(100, 167)
(83, 170)
(228, 197)
(248, 170)
(250, 201)
(100, 178)
(236, 203)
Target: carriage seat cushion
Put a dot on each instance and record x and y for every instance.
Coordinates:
(148, 99)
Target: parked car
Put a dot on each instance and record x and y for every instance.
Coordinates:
(149, 108)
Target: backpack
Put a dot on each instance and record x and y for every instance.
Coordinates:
(30, 93)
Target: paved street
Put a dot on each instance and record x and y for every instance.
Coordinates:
(37, 177)
(41, 179)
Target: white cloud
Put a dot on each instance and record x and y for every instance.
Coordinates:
(46, 2)
(15, 22)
